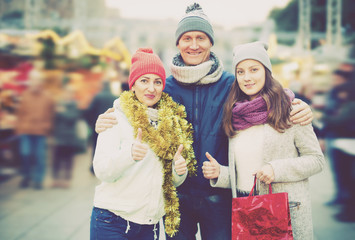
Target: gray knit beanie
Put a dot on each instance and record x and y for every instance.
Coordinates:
(254, 50)
(194, 20)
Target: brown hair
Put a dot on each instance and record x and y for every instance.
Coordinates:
(277, 102)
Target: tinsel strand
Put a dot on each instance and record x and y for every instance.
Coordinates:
(172, 131)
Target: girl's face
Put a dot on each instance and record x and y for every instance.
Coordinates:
(250, 75)
(148, 89)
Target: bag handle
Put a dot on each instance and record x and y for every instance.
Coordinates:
(253, 190)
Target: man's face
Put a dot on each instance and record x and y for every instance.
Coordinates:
(195, 48)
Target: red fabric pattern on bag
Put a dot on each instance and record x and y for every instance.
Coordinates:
(263, 217)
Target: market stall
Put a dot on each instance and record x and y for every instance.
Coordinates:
(61, 61)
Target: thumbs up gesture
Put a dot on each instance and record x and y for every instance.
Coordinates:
(180, 162)
(139, 149)
(211, 168)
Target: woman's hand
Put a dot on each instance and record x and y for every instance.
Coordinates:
(211, 168)
(139, 149)
(301, 112)
(266, 174)
(180, 162)
(105, 121)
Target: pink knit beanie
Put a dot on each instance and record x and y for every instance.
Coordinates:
(144, 61)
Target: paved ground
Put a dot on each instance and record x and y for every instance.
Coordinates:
(325, 226)
(57, 214)
(47, 214)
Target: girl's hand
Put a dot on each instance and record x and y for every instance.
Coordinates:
(266, 174)
(210, 169)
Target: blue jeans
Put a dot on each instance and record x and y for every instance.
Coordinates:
(105, 225)
(33, 154)
(213, 213)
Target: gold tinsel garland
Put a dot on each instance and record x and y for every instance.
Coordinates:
(173, 130)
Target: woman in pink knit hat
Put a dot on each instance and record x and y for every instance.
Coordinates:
(142, 160)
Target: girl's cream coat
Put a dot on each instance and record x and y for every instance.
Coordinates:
(295, 155)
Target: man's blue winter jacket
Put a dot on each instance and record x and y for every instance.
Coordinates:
(204, 107)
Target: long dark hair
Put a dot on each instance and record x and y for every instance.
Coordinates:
(277, 102)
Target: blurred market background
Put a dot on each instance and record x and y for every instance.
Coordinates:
(80, 51)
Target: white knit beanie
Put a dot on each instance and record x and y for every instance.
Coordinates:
(254, 50)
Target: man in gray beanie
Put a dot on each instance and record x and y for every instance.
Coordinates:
(194, 20)
(199, 83)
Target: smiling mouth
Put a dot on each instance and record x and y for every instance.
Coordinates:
(150, 96)
(249, 85)
(194, 53)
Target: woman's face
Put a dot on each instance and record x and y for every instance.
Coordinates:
(250, 75)
(148, 89)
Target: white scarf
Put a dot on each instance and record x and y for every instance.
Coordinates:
(197, 74)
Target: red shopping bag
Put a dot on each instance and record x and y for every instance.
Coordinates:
(262, 217)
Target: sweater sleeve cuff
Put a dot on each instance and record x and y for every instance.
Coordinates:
(223, 180)
(178, 179)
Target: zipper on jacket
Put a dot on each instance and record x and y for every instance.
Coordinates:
(196, 113)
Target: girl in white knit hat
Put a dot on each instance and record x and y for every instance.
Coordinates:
(263, 141)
